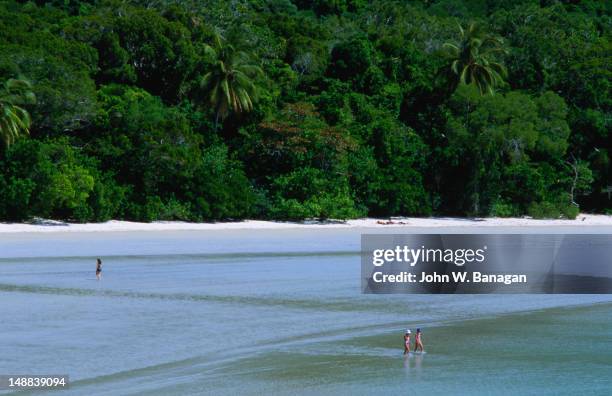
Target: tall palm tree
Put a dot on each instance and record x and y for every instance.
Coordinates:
(229, 86)
(473, 59)
(14, 120)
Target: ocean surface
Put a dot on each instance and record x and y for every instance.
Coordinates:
(276, 311)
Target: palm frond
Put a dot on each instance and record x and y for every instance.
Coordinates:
(14, 120)
(230, 84)
(473, 61)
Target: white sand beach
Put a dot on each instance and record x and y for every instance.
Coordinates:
(41, 225)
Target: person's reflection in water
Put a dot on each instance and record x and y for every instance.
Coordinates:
(407, 363)
(413, 364)
(418, 361)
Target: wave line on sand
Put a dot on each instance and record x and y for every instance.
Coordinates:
(329, 305)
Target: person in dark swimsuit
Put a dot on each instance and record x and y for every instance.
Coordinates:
(98, 269)
(418, 342)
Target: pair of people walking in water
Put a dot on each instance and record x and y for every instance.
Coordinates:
(418, 341)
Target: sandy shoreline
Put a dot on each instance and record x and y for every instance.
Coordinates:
(116, 225)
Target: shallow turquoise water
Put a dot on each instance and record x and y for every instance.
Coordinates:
(281, 312)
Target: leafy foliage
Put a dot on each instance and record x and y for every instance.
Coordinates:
(229, 86)
(205, 110)
(473, 59)
(14, 120)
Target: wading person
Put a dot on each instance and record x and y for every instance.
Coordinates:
(98, 269)
(418, 341)
(407, 341)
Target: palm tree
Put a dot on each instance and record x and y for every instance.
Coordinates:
(14, 120)
(229, 86)
(473, 60)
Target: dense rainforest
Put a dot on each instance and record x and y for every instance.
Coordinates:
(277, 109)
